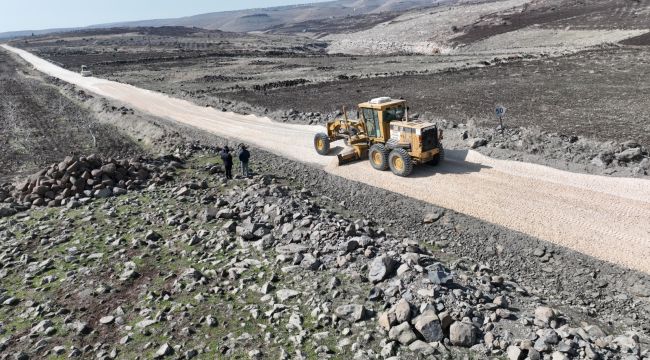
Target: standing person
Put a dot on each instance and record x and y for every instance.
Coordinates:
(227, 161)
(244, 156)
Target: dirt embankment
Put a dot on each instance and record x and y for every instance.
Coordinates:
(39, 125)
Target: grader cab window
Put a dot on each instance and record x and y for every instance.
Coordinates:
(393, 114)
(371, 119)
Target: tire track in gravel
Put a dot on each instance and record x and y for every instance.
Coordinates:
(603, 217)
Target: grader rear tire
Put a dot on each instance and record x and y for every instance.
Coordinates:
(378, 156)
(400, 162)
(322, 143)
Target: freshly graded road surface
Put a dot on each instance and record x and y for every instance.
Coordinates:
(607, 218)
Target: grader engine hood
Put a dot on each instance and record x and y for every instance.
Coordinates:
(412, 133)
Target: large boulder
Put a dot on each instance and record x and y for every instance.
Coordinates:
(380, 268)
(629, 155)
(402, 311)
(462, 334)
(544, 314)
(438, 274)
(402, 333)
(6, 211)
(429, 326)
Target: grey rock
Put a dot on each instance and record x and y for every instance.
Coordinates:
(349, 246)
(629, 155)
(143, 324)
(430, 218)
(559, 356)
(462, 334)
(515, 353)
(544, 314)
(645, 164)
(438, 274)
(402, 311)
(477, 142)
(420, 347)
(11, 301)
(380, 268)
(501, 301)
(208, 214)
(6, 211)
(594, 331)
(248, 230)
(402, 333)
(549, 336)
(310, 262)
(192, 274)
(229, 226)
(21, 356)
(82, 328)
(107, 319)
(429, 326)
(118, 191)
(152, 236)
(388, 350)
(103, 193)
(164, 350)
(109, 169)
(286, 294)
(351, 312)
(129, 274)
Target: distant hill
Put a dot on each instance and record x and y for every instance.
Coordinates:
(265, 18)
(18, 34)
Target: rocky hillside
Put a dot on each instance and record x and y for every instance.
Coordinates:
(201, 267)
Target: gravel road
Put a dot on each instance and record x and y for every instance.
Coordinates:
(599, 216)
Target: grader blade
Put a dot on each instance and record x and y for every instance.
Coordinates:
(347, 157)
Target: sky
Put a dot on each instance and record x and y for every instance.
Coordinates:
(16, 15)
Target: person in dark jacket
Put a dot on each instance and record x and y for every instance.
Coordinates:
(244, 156)
(227, 161)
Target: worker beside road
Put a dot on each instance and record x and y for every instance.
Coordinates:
(244, 156)
(227, 161)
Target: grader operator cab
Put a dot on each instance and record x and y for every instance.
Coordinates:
(386, 136)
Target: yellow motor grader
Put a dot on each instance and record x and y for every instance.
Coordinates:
(384, 134)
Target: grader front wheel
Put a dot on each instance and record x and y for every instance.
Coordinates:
(322, 143)
(378, 156)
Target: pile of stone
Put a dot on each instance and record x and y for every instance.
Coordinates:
(80, 179)
(421, 306)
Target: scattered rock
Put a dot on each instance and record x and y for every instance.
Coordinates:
(380, 268)
(477, 142)
(351, 312)
(402, 333)
(462, 334)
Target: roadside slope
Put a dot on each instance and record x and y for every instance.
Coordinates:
(599, 216)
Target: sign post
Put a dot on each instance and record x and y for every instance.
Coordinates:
(500, 111)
